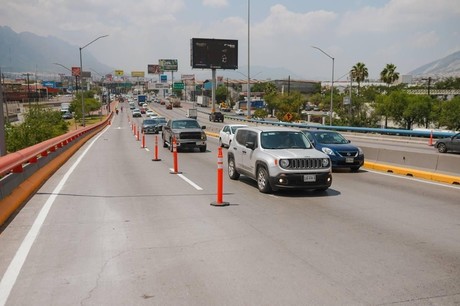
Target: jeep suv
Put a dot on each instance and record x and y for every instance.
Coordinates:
(278, 158)
(216, 116)
(188, 134)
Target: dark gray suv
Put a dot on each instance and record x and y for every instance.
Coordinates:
(187, 132)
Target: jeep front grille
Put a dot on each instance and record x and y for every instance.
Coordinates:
(305, 163)
(190, 135)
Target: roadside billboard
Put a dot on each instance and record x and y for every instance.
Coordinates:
(76, 71)
(207, 53)
(168, 64)
(119, 72)
(153, 69)
(137, 74)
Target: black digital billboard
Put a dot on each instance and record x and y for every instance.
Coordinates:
(208, 53)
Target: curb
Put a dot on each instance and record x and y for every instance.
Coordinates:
(443, 178)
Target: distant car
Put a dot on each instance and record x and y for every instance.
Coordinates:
(448, 144)
(239, 112)
(67, 115)
(169, 106)
(227, 133)
(150, 112)
(216, 116)
(153, 125)
(137, 113)
(342, 153)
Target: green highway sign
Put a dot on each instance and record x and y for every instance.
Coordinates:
(178, 85)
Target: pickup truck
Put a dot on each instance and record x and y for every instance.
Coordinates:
(187, 132)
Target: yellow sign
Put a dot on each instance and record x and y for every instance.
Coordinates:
(119, 72)
(288, 117)
(137, 74)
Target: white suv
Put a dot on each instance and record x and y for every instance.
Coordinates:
(278, 158)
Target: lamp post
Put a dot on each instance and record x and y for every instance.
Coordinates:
(81, 74)
(70, 75)
(248, 104)
(2, 121)
(332, 83)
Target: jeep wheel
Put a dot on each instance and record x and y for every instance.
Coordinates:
(262, 180)
(220, 143)
(171, 147)
(164, 143)
(232, 173)
(203, 149)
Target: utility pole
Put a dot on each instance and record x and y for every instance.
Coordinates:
(2, 122)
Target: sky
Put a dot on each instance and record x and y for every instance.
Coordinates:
(406, 33)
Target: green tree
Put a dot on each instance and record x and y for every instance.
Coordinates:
(91, 104)
(382, 107)
(406, 109)
(39, 124)
(221, 93)
(450, 114)
(284, 104)
(359, 73)
(389, 74)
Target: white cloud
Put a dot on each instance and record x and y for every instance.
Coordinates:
(215, 3)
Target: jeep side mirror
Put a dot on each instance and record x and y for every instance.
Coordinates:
(250, 145)
(203, 127)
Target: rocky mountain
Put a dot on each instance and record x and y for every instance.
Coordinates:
(27, 52)
(448, 66)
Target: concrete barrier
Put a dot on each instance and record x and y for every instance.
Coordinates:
(437, 163)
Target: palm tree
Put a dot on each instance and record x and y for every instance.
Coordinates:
(359, 73)
(389, 74)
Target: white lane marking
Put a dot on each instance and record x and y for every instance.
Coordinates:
(12, 273)
(415, 179)
(187, 180)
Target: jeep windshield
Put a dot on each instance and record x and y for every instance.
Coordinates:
(185, 124)
(278, 140)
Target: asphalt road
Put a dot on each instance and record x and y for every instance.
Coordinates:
(113, 227)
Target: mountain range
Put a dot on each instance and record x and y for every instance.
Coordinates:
(28, 52)
(448, 66)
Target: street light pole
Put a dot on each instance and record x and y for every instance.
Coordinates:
(70, 75)
(332, 83)
(2, 121)
(81, 78)
(248, 103)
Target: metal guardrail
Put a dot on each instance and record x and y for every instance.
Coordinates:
(15, 163)
(396, 132)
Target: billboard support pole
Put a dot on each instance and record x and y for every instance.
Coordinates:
(213, 89)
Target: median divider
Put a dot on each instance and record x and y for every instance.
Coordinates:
(444, 178)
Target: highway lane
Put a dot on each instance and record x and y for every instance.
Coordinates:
(410, 144)
(123, 230)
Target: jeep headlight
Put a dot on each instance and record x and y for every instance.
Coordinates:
(203, 135)
(284, 163)
(176, 135)
(360, 151)
(326, 162)
(328, 151)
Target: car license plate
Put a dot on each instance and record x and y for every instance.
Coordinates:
(309, 178)
(349, 160)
